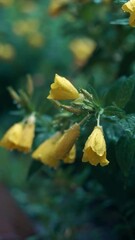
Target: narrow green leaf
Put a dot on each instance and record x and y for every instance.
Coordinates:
(123, 21)
(95, 95)
(120, 92)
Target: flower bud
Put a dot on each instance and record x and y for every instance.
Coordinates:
(66, 142)
(62, 89)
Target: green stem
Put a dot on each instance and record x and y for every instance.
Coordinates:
(84, 119)
(99, 115)
(67, 108)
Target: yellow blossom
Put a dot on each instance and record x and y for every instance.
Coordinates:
(36, 40)
(57, 6)
(28, 6)
(6, 3)
(58, 147)
(95, 148)
(45, 152)
(7, 51)
(20, 136)
(12, 137)
(70, 158)
(130, 8)
(82, 49)
(27, 136)
(25, 27)
(62, 89)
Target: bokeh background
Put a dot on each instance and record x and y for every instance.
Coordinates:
(90, 43)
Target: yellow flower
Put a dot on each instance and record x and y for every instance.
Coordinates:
(7, 51)
(12, 136)
(130, 8)
(58, 147)
(95, 148)
(20, 136)
(82, 49)
(45, 152)
(6, 3)
(25, 27)
(70, 158)
(27, 136)
(36, 40)
(57, 6)
(27, 6)
(62, 89)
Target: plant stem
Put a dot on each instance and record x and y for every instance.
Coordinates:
(84, 119)
(99, 115)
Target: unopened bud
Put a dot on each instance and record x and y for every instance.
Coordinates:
(14, 95)
(30, 87)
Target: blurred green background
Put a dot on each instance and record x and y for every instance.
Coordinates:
(76, 201)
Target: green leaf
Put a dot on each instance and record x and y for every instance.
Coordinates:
(123, 21)
(125, 154)
(114, 111)
(120, 92)
(128, 124)
(34, 167)
(95, 95)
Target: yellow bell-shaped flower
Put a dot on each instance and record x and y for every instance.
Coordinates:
(45, 152)
(82, 49)
(20, 136)
(95, 148)
(130, 8)
(58, 147)
(56, 6)
(12, 137)
(62, 89)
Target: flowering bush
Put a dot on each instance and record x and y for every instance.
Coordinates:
(79, 130)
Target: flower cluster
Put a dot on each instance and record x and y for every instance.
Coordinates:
(95, 146)
(62, 145)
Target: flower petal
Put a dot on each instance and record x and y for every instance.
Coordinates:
(45, 152)
(129, 6)
(12, 137)
(27, 137)
(70, 158)
(96, 141)
(91, 157)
